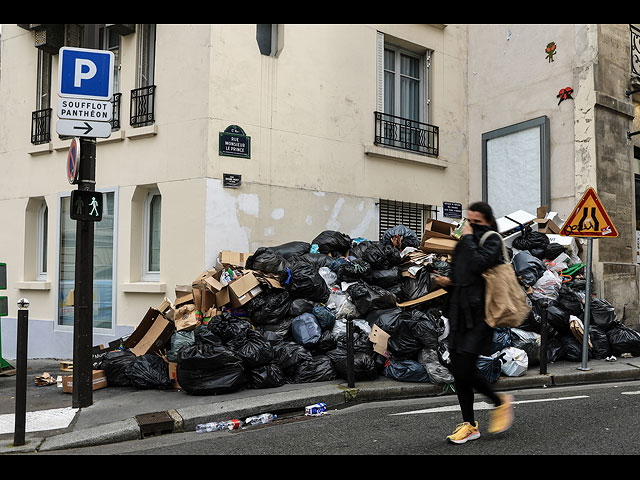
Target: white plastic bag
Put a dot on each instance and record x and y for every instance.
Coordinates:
(514, 362)
(548, 285)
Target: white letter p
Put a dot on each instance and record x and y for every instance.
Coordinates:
(80, 62)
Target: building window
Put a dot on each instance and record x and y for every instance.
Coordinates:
(42, 229)
(412, 215)
(103, 264)
(110, 40)
(43, 94)
(152, 211)
(515, 167)
(267, 38)
(146, 54)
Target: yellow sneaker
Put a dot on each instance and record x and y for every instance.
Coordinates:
(502, 416)
(464, 432)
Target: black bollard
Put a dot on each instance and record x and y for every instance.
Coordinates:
(544, 331)
(21, 373)
(350, 368)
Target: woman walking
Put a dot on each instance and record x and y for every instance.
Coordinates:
(470, 336)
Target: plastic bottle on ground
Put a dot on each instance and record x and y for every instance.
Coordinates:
(210, 427)
(260, 419)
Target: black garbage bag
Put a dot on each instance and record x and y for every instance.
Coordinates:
(115, 365)
(555, 348)
(529, 342)
(326, 342)
(376, 254)
(364, 364)
(354, 270)
(290, 354)
(335, 263)
(386, 319)
(601, 347)
(501, 339)
(623, 340)
(404, 344)
(572, 348)
(438, 373)
(292, 249)
(325, 317)
(266, 260)
(305, 329)
(228, 326)
(534, 242)
(603, 314)
(178, 340)
(227, 379)
(405, 371)
(417, 287)
(553, 250)
(427, 327)
(369, 297)
(299, 306)
(269, 307)
(409, 237)
(206, 356)
(266, 376)
(558, 318)
(149, 371)
(490, 367)
(386, 278)
(570, 301)
(528, 267)
(202, 334)
(302, 280)
(318, 369)
(253, 348)
(333, 243)
(316, 260)
(441, 267)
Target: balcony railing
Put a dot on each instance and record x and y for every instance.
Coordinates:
(398, 132)
(635, 51)
(41, 126)
(115, 120)
(141, 106)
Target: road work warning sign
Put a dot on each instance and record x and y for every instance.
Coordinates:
(589, 219)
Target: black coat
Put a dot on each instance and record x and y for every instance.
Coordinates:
(465, 310)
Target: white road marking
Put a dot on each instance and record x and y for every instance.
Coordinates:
(630, 393)
(40, 420)
(485, 405)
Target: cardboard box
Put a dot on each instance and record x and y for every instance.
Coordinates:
(99, 381)
(438, 245)
(222, 297)
(509, 224)
(234, 259)
(424, 298)
(545, 221)
(437, 229)
(244, 289)
(151, 333)
(186, 318)
(203, 299)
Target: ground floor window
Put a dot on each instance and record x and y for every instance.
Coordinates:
(103, 264)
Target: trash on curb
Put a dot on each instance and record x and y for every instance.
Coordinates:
(44, 380)
(316, 409)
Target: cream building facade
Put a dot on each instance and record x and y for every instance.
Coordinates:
(320, 158)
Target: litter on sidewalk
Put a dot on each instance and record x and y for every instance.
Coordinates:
(279, 314)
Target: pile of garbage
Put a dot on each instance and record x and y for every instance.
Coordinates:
(279, 315)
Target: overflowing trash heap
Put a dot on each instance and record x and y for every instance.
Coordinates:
(279, 315)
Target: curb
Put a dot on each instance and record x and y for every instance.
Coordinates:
(337, 395)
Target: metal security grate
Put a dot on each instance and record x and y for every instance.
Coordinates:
(41, 126)
(635, 51)
(142, 106)
(412, 215)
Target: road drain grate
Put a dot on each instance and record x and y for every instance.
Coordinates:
(156, 423)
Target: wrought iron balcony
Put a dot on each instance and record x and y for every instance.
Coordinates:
(115, 120)
(398, 132)
(142, 106)
(41, 126)
(635, 51)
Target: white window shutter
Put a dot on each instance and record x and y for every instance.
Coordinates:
(380, 72)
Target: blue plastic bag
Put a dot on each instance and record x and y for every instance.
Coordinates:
(305, 329)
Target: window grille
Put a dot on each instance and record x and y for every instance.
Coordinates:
(412, 215)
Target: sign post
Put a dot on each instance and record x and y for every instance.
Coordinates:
(589, 219)
(85, 88)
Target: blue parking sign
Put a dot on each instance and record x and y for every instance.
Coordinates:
(85, 73)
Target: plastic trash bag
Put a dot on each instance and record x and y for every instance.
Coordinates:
(490, 367)
(226, 379)
(386, 318)
(318, 369)
(269, 307)
(438, 373)
(570, 301)
(601, 346)
(206, 356)
(266, 376)
(369, 297)
(290, 354)
(333, 243)
(558, 319)
(227, 326)
(364, 364)
(306, 329)
(409, 237)
(329, 276)
(572, 348)
(529, 342)
(299, 306)
(603, 314)
(115, 364)
(386, 278)
(378, 255)
(528, 267)
(302, 280)
(149, 371)
(548, 285)
(355, 270)
(535, 242)
(501, 339)
(291, 249)
(514, 362)
(178, 340)
(341, 305)
(623, 340)
(405, 371)
(253, 348)
(553, 250)
(324, 316)
(266, 260)
(316, 260)
(417, 287)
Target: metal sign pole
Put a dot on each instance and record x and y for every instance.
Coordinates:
(587, 308)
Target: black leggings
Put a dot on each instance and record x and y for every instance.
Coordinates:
(467, 377)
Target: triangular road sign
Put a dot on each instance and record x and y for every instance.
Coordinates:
(589, 219)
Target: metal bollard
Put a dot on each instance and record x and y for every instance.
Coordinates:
(544, 334)
(21, 373)
(350, 367)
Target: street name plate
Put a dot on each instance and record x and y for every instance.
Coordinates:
(80, 109)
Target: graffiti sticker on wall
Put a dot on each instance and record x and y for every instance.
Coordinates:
(551, 51)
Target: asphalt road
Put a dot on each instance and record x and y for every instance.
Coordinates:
(579, 420)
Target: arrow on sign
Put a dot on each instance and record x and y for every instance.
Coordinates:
(87, 128)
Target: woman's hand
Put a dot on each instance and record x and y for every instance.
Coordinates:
(442, 281)
(466, 229)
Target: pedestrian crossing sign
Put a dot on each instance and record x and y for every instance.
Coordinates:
(589, 219)
(86, 205)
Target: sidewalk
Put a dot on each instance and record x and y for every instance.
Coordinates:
(121, 413)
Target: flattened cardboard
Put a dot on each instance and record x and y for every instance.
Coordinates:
(236, 259)
(99, 381)
(379, 338)
(438, 245)
(185, 318)
(424, 298)
(437, 229)
(203, 299)
(150, 335)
